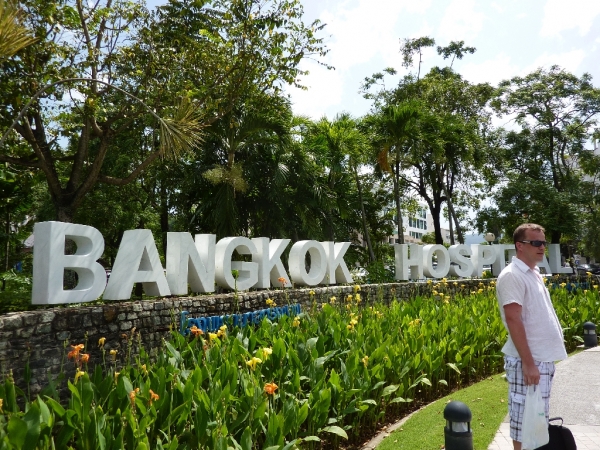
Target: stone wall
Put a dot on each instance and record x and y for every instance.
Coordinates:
(43, 337)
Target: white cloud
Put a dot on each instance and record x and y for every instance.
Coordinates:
(560, 15)
(325, 90)
(568, 60)
(461, 21)
(492, 70)
(365, 29)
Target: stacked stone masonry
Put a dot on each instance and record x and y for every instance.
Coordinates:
(43, 337)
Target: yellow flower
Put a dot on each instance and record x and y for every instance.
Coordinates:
(349, 298)
(270, 388)
(1, 402)
(79, 374)
(595, 286)
(270, 302)
(348, 307)
(444, 280)
(365, 360)
(479, 291)
(212, 336)
(455, 283)
(414, 322)
(573, 309)
(585, 291)
(223, 328)
(144, 369)
(356, 288)
(428, 281)
(434, 292)
(350, 326)
(266, 351)
(296, 322)
(253, 362)
(562, 285)
(113, 354)
(332, 300)
(357, 298)
(101, 342)
(589, 274)
(311, 293)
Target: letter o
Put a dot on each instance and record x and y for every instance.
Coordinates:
(318, 263)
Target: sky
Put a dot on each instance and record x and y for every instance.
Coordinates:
(512, 38)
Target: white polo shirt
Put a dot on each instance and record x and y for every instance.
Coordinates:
(518, 283)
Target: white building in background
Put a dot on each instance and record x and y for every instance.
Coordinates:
(417, 226)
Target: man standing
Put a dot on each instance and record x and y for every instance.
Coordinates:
(535, 338)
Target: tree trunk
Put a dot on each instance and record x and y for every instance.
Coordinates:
(364, 217)
(164, 216)
(397, 200)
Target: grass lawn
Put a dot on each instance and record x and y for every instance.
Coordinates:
(425, 429)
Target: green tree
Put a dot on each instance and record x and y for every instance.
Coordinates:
(545, 161)
(166, 75)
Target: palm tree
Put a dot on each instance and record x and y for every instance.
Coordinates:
(393, 134)
(344, 146)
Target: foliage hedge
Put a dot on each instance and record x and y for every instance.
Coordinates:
(319, 380)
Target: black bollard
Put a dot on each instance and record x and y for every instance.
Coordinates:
(590, 339)
(457, 432)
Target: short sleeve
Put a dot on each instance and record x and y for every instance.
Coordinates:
(510, 289)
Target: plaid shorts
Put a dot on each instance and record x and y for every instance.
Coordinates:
(517, 391)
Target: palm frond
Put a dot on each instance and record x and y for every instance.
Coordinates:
(181, 133)
(13, 35)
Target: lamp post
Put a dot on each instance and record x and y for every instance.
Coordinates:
(490, 237)
(457, 432)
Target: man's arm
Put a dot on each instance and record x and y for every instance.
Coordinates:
(512, 312)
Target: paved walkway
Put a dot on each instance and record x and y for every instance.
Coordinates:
(575, 397)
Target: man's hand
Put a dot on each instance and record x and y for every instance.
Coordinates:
(531, 374)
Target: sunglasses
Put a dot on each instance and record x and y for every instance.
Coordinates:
(536, 243)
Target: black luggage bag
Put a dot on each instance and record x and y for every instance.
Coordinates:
(561, 437)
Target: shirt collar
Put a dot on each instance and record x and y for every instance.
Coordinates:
(522, 266)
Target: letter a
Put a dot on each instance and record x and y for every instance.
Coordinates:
(137, 261)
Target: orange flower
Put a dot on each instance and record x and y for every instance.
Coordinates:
(132, 395)
(282, 280)
(153, 397)
(85, 357)
(270, 388)
(74, 354)
(196, 331)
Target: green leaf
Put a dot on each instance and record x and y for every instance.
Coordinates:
(334, 429)
(453, 367)
(17, 431)
(32, 419)
(246, 441)
(389, 390)
(311, 439)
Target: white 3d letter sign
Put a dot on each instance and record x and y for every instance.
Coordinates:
(197, 264)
